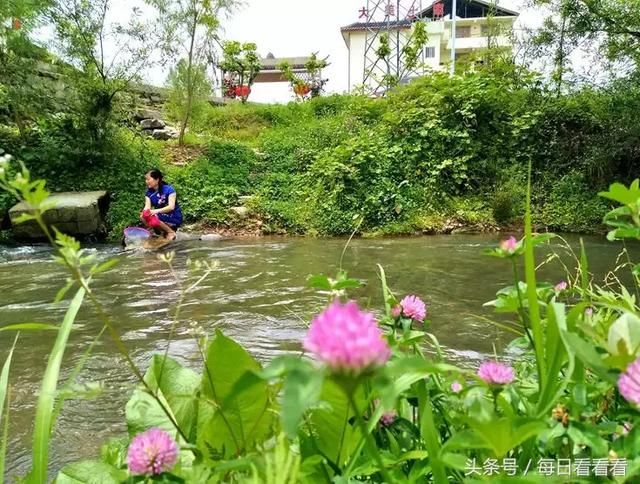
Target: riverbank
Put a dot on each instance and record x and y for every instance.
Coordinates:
(439, 155)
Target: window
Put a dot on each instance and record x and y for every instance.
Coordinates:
(462, 32)
(430, 52)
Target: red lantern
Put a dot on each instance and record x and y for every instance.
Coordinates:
(301, 89)
(16, 24)
(243, 91)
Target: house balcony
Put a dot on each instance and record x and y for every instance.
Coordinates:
(474, 43)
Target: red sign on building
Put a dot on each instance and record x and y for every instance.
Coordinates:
(390, 10)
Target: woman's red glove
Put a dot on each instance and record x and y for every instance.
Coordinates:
(149, 218)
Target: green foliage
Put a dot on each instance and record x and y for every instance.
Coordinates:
(507, 204)
(4, 399)
(311, 87)
(212, 184)
(570, 205)
(240, 64)
(181, 83)
(58, 152)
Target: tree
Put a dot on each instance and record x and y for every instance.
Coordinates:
(22, 95)
(191, 27)
(411, 54)
(560, 36)
(179, 83)
(240, 66)
(313, 86)
(105, 56)
(613, 25)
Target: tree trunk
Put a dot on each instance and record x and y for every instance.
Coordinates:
(187, 111)
(560, 57)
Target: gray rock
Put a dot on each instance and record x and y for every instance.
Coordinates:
(210, 237)
(154, 123)
(165, 134)
(241, 212)
(147, 114)
(74, 213)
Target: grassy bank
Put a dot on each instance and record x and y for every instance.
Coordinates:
(435, 156)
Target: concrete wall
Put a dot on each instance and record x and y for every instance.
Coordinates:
(439, 37)
(80, 214)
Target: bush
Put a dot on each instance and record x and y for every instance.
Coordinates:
(209, 186)
(572, 205)
(281, 203)
(56, 152)
(508, 204)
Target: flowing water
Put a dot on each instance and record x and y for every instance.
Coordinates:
(257, 295)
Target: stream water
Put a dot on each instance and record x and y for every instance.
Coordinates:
(258, 296)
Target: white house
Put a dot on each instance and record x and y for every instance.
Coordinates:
(478, 23)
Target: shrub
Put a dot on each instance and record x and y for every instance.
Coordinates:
(210, 185)
(507, 204)
(570, 204)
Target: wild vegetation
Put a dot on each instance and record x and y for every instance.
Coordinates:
(376, 401)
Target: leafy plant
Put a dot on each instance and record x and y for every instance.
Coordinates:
(240, 65)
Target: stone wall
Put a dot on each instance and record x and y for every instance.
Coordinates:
(81, 214)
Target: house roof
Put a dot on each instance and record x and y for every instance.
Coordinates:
(270, 63)
(465, 9)
(375, 25)
(469, 9)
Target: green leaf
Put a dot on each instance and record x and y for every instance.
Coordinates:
(455, 461)
(176, 387)
(44, 410)
(588, 436)
(586, 353)
(84, 391)
(302, 388)
(399, 374)
(29, 327)
(621, 194)
(4, 385)
(465, 439)
(90, 472)
(624, 336)
(25, 217)
(624, 233)
(105, 266)
(386, 293)
(429, 432)
(63, 291)
(336, 434)
(347, 284)
(319, 281)
(114, 452)
(557, 353)
(503, 434)
(231, 422)
(532, 296)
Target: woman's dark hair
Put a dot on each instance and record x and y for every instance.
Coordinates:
(156, 175)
